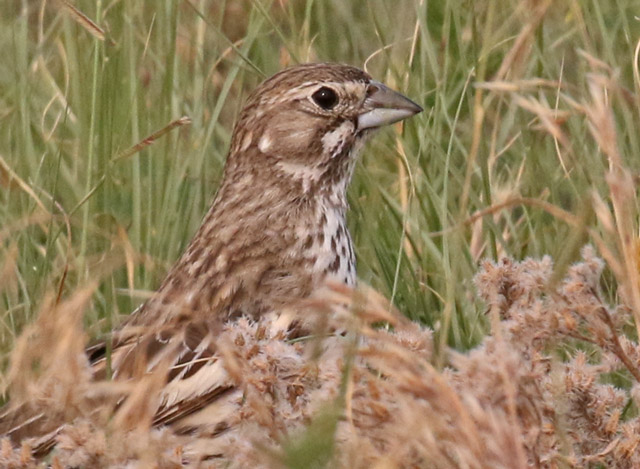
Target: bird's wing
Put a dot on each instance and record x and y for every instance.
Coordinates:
(182, 360)
(185, 354)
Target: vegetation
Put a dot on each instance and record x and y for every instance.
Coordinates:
(115, 119)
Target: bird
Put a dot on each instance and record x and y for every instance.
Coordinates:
(275, 233)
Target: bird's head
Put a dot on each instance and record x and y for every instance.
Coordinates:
(305, 121)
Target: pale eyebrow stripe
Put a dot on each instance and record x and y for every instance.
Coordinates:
(300, 90)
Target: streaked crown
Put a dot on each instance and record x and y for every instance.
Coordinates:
(309, 113)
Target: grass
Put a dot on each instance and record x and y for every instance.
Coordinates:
(72, 102)
(528, 144)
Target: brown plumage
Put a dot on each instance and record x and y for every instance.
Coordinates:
(277, 226)
(274, 233)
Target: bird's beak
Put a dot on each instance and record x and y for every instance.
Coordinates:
(384, 106)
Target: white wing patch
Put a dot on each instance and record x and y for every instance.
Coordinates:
(209, 377)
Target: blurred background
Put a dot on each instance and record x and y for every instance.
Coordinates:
(116, 116)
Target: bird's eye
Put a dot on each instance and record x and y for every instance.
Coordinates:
(325, 97)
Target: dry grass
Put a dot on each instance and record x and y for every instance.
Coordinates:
(526, 153)
(537, 392)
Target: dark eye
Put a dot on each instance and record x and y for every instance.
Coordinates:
(325, 97)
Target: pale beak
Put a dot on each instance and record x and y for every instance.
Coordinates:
(383, 106)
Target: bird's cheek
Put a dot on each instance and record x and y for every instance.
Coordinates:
(287, 136)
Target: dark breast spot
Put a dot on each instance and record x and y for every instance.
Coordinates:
(335, 265)
(308, 242)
